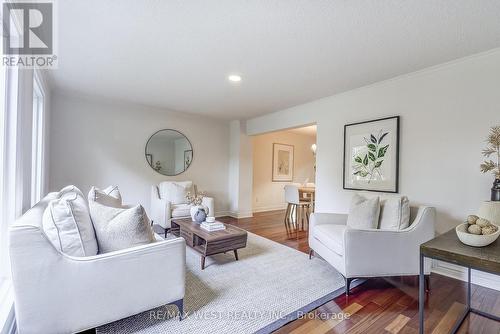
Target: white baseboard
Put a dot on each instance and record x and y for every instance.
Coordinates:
(223, 214)
(460, 273)
(240, 214)
(270, 207)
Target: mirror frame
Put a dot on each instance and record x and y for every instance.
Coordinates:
(146, 151)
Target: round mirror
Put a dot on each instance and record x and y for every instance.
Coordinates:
(169, 152)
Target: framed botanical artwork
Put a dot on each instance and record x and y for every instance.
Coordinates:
(371, 155)
(282, 163)
(188, 158)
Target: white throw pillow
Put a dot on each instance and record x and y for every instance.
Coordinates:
(394, 213)
(109, 196)
(66, 222)
(175, 192)
(363, 213)
(120, 228)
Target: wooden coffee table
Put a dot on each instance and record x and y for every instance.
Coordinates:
(209, 243)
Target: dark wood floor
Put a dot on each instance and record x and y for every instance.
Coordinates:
(381, 305)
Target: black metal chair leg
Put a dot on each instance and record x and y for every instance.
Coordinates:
(348, 286)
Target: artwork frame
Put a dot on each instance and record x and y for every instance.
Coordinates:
(149, 159)
(283, 162)
(371, 155)
(188, 158)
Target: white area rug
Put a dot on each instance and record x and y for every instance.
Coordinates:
(262, 291)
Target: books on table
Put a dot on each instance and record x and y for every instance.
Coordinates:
(211, 227)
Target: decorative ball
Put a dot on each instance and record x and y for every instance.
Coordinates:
(472, 219)
(474, 229)
(490, 229)
(481, 222)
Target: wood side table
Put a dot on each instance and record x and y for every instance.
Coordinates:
(447, 247)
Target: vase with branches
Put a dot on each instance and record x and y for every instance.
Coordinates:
(492, 150)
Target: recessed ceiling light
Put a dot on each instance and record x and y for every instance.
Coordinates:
(234, 78)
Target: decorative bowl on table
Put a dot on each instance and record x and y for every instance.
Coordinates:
(476, 240)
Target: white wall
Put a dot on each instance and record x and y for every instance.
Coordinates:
(446, 112)
(101, 142)
(268, 195)
(240, 170)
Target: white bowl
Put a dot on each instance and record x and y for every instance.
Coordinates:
(210, 219)
(475, 240)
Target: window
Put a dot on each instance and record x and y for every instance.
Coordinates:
(37, 141)
(3, 227)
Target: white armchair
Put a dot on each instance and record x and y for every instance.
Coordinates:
(58, 293)
(371, 252)
(168, 200)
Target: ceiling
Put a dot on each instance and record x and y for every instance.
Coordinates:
(177, 54)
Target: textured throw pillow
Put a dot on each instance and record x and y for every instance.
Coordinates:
(120, 228)
(394, 213)
(175, 192)
(66, 222)
(363, 213)
(109, 196)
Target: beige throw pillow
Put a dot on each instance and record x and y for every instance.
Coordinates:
(109, 196)
(363, 213)
(120, 228)
(394, 213)
(66, 223)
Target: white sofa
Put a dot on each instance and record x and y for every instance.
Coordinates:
(58, 293)
(358, 253)
(168, 200)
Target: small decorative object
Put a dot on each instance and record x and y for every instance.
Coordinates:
(371, 155)
(283, 162)
(200, 215)
(490, 210)
(490, 229)
(472, 219)
(493, 148)
(478, 232)
(196, 206)
(188, 158)
(481, 222)
(210, 219)
(196, 198)
(157, 166)
(474, 229)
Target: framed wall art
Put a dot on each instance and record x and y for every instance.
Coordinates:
(371, 155)
(282, 162)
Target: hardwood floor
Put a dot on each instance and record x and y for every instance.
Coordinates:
(381, 305)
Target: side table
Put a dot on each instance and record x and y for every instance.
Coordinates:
(447, 247)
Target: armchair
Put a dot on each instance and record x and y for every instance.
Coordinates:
(58, 293)
(371, 252)
(168, 200)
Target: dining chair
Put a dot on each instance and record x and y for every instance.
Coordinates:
(296, 209)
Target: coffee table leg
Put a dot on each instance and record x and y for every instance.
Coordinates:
(202, 262)
(236, 254)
